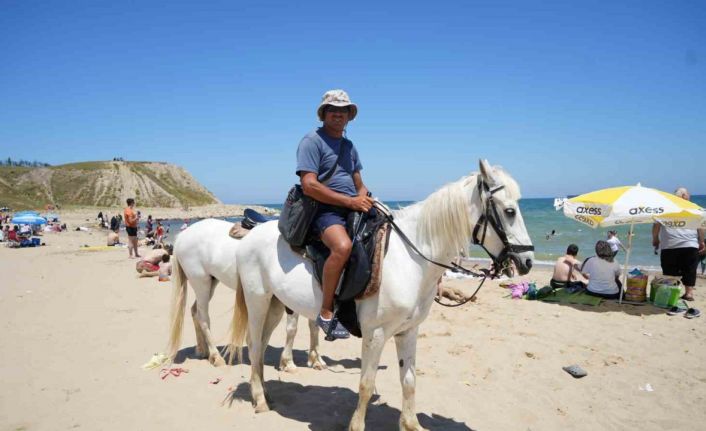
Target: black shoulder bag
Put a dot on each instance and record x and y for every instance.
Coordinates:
(299, 210)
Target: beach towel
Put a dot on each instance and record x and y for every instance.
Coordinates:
(563, 296)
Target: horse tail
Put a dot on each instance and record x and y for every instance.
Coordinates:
(178, 307)
(239, 324)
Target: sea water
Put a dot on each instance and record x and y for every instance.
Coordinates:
(541, 219)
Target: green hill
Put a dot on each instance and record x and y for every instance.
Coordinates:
(152, 184)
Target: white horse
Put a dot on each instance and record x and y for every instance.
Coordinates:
(273, 276)
(204, 254)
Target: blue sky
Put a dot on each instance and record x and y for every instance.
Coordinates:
(568, 96)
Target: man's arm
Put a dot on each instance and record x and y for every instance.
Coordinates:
(317, 191)
(362, 190)
(655, 234)
(700, 235)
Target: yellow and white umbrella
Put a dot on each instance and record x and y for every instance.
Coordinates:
(620, 206)
(630, 205)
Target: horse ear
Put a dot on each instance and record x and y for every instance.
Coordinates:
(486, 171)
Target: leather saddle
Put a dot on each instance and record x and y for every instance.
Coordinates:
(369, 235)
(363, 231)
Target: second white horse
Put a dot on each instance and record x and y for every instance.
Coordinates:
(204, 254)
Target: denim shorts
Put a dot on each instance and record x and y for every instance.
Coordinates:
(328, 215)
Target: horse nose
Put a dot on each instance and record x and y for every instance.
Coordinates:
(528, 264)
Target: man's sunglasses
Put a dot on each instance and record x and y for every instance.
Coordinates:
(331, 108)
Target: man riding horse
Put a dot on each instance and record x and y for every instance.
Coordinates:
(342, 192)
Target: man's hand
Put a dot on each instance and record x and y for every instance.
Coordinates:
(361, 203)
(655, 242)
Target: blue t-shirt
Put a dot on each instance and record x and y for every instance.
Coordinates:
(318, 152)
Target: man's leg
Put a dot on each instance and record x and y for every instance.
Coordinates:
(133, 239)
(691, 263)
(336, 239)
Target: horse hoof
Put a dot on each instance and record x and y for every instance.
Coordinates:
(262, 408)
(411, 426)
(200, 353)
(316, 362)
(216, 360)
(288, 367)
(319, 365)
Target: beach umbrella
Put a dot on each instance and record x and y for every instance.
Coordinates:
(631, 205)
(28, 219)
(19, 213)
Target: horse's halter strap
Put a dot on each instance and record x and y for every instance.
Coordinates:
(491, 217)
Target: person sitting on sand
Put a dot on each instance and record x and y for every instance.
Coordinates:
(149, 226)
(567, 270)
(165, 268)
(114, 223)
(25, 231)
(13, 235)
(113, 238)
(148, 266)
(602, 272)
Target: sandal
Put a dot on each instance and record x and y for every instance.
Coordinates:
(692, 313)
(678, 309)
(332, 328)
(687, 298)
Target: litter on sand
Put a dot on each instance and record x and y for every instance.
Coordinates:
(155, 361)
(647, 388)
(176, 372)
(575, 371)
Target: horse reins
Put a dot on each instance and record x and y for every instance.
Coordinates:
(491, 217)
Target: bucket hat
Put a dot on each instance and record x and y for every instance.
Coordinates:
(337, 98)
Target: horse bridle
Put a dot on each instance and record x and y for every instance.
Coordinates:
(490, 217)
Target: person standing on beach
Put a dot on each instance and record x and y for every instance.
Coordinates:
(679, 250)
(131, 227)
(340, 194)
(614, 242)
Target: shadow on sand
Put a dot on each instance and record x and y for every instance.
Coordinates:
(327, 408)
(272, 355)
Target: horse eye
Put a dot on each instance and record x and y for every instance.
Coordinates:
(510, 212)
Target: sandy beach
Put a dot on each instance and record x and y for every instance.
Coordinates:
(77, 326)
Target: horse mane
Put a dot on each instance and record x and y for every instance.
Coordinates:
(444, 221)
